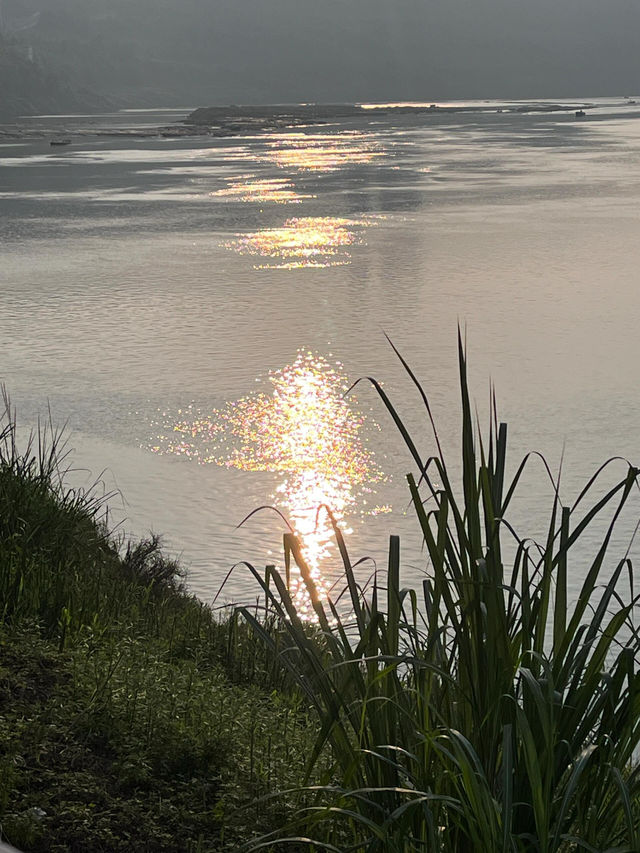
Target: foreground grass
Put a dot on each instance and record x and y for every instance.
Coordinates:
(126, 749)
(130, 717)
(483, 713)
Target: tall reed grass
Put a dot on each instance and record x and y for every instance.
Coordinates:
(486, 711)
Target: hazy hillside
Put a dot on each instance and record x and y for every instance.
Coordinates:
(27, 86)
(221, 51)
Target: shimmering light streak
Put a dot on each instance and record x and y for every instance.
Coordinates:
(321, 152)
(310, 241)
(251, 189)
(381, 510)
(304, 428)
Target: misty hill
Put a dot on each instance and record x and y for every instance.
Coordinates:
(191, 52)
(27, 86)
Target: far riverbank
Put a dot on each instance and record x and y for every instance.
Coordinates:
(240, 120)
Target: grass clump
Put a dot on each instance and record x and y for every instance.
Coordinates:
(485, 712)
(131, 718)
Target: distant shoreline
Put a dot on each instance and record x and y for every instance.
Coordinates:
(238, 120)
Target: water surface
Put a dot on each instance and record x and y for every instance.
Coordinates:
(151, 283)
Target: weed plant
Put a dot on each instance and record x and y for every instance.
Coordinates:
(485, 712)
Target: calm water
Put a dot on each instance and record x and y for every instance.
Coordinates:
(227, 286)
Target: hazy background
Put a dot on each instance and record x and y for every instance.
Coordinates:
(220, 51)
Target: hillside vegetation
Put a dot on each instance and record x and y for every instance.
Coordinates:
(130, 717)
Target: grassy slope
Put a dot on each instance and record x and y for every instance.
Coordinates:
(130, 719)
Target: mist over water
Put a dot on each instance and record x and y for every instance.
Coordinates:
(145, 281)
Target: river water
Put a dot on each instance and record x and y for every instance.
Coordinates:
(194, 308)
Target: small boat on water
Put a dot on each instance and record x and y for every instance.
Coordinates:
(60, 142)
(580, 113)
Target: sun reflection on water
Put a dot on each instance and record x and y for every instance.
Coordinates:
(248, 188)
(308, 241)
(321, 152)
(304, 429)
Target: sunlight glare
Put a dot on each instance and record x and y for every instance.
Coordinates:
(305, 429)
(309, 241)
(322, 152)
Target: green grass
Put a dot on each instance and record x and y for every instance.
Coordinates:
(486, 711)
(131, 717)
